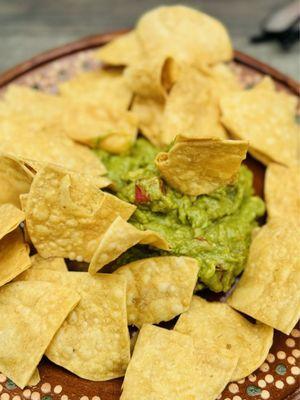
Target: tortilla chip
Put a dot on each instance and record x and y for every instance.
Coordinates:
(53, 263)
(14, 180)
(35, 379)
(282, 188)
(191, 376)
(94, 341)
(150, 117)
(199, 166)
(118, 238)
(33, 140)
(269, 289)
(39, 263)
(227, 330)
(152, 77)
(149, 375)
(96, 126)
(185, 34)
(66, 214)
(266, 118)
(14, 257)
(30, 315)
(104, 88)
(10, 218)
(33, 103)
(158, 288)
(124, 50)
(191, 108)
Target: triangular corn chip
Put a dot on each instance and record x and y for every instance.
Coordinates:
(269, 289)
(93, 342)
(118, 238)
(216, 325)
(266, 118)
(30, 315)
(66, 214)
(199, 166)
(185, 34)
(158, 288)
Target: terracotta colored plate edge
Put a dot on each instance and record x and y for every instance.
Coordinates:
(94, 41)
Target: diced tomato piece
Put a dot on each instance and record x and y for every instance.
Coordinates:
(140, 195)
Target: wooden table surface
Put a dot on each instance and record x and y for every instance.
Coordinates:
(28, 27)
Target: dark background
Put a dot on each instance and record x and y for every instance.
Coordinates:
(28, 27)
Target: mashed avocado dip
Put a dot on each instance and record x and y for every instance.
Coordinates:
(215, 229)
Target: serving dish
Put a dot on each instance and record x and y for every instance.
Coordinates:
(278, 377)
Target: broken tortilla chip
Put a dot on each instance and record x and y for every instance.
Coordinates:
(66, 214)
(193, 376)
(191, 108)
(14, 180)
(93, 342)
(216, 325)
(269, 289)
(282, 189)
(124, 50)
(30, 315)
(158, 288)
(266, 118)
(14, 257)
(185, 34)
(152, 77)
(199, 166)
(10, 218)
(118, 238)
(149, 113)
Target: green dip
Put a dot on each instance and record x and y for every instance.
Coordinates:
(215, 229)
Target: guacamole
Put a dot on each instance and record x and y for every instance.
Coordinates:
(215, 229)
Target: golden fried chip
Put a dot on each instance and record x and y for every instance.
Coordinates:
(53, 263)
(185, 34)
(149, 375)
(191, 108)
(35, 379)
(192, 375)
(14, 180)
(150, 117)
(10, 218)
(269, 289)
(198, 166)
(66, 214)
(33, 140)
(102, 88)
(93, 342)
(111, 130)
(216, 325)
(30, 315)
(158, 288)
(282, 190)
(266, 118)
(118, 238)
(124, 50)
(14, 257)
(152, 77)
(33, 103)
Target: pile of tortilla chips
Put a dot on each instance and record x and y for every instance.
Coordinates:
(168, 80)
